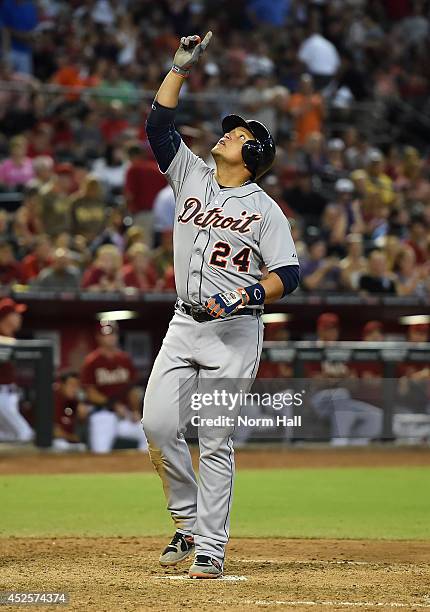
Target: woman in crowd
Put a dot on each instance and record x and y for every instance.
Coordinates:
(17, 169)
(411, 280)
(105, 273)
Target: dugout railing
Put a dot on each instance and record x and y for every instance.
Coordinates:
(311, 363)
(364, 365)
(33, 365)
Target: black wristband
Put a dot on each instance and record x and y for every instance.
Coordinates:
(256, 294)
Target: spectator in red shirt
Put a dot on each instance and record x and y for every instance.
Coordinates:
(140, 273)
(39, 144)
(418, 332)
(115, 123)
(10, 270)
(39, 258)
(168, 281)
(328, 327)
(143, 181)
(373, 331)
(69, 411)
(418, 236)
(105, 273)
(110, 381)
(62, 136)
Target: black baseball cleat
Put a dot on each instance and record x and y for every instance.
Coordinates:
(181, 547)
(205, 567)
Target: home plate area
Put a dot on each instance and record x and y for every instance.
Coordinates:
(309, 574)
(105, 574)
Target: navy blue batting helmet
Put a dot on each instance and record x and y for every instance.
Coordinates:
(258, 154)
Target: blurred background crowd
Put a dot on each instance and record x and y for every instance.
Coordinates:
(82, 203)
(342, 84)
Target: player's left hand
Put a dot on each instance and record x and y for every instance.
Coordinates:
(224, 304)
(189, 52)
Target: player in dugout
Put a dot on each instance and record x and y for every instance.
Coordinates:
(69, 412)
(110, 379)
(13, 426)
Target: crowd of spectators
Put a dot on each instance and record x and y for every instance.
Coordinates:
(82, 202)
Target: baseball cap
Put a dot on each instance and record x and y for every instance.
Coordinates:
(344, 186)
(211, 69)
(335, 144)
(375, 156)
(106, 328)
(328, 320)
(358, 175)
(372, 326)
(7, 306)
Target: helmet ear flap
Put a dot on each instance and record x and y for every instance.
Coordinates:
(252, 152)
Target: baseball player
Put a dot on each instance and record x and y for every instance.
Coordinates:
(226, 227)
(13, 426)
(69, 411)
(109, 378)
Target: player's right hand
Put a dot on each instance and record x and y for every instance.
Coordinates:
(189, 53)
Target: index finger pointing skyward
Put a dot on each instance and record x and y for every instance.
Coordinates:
(206, 40)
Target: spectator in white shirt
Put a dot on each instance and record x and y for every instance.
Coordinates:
(111, 170)
(320, 57)
(164, 213)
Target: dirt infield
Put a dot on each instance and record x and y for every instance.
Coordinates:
(132, 461)
(123, 574)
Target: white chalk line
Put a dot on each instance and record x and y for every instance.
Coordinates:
(330, 603)
(326, 562)
(223, 579)
(310, 562)
(292, 603)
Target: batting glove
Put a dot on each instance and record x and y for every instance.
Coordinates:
(189, 52)
(225, 304)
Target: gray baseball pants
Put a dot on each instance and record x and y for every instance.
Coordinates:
(195, 356)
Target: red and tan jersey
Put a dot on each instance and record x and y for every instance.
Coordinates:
(111, 375)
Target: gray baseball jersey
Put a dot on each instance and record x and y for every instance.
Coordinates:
(222, 237)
